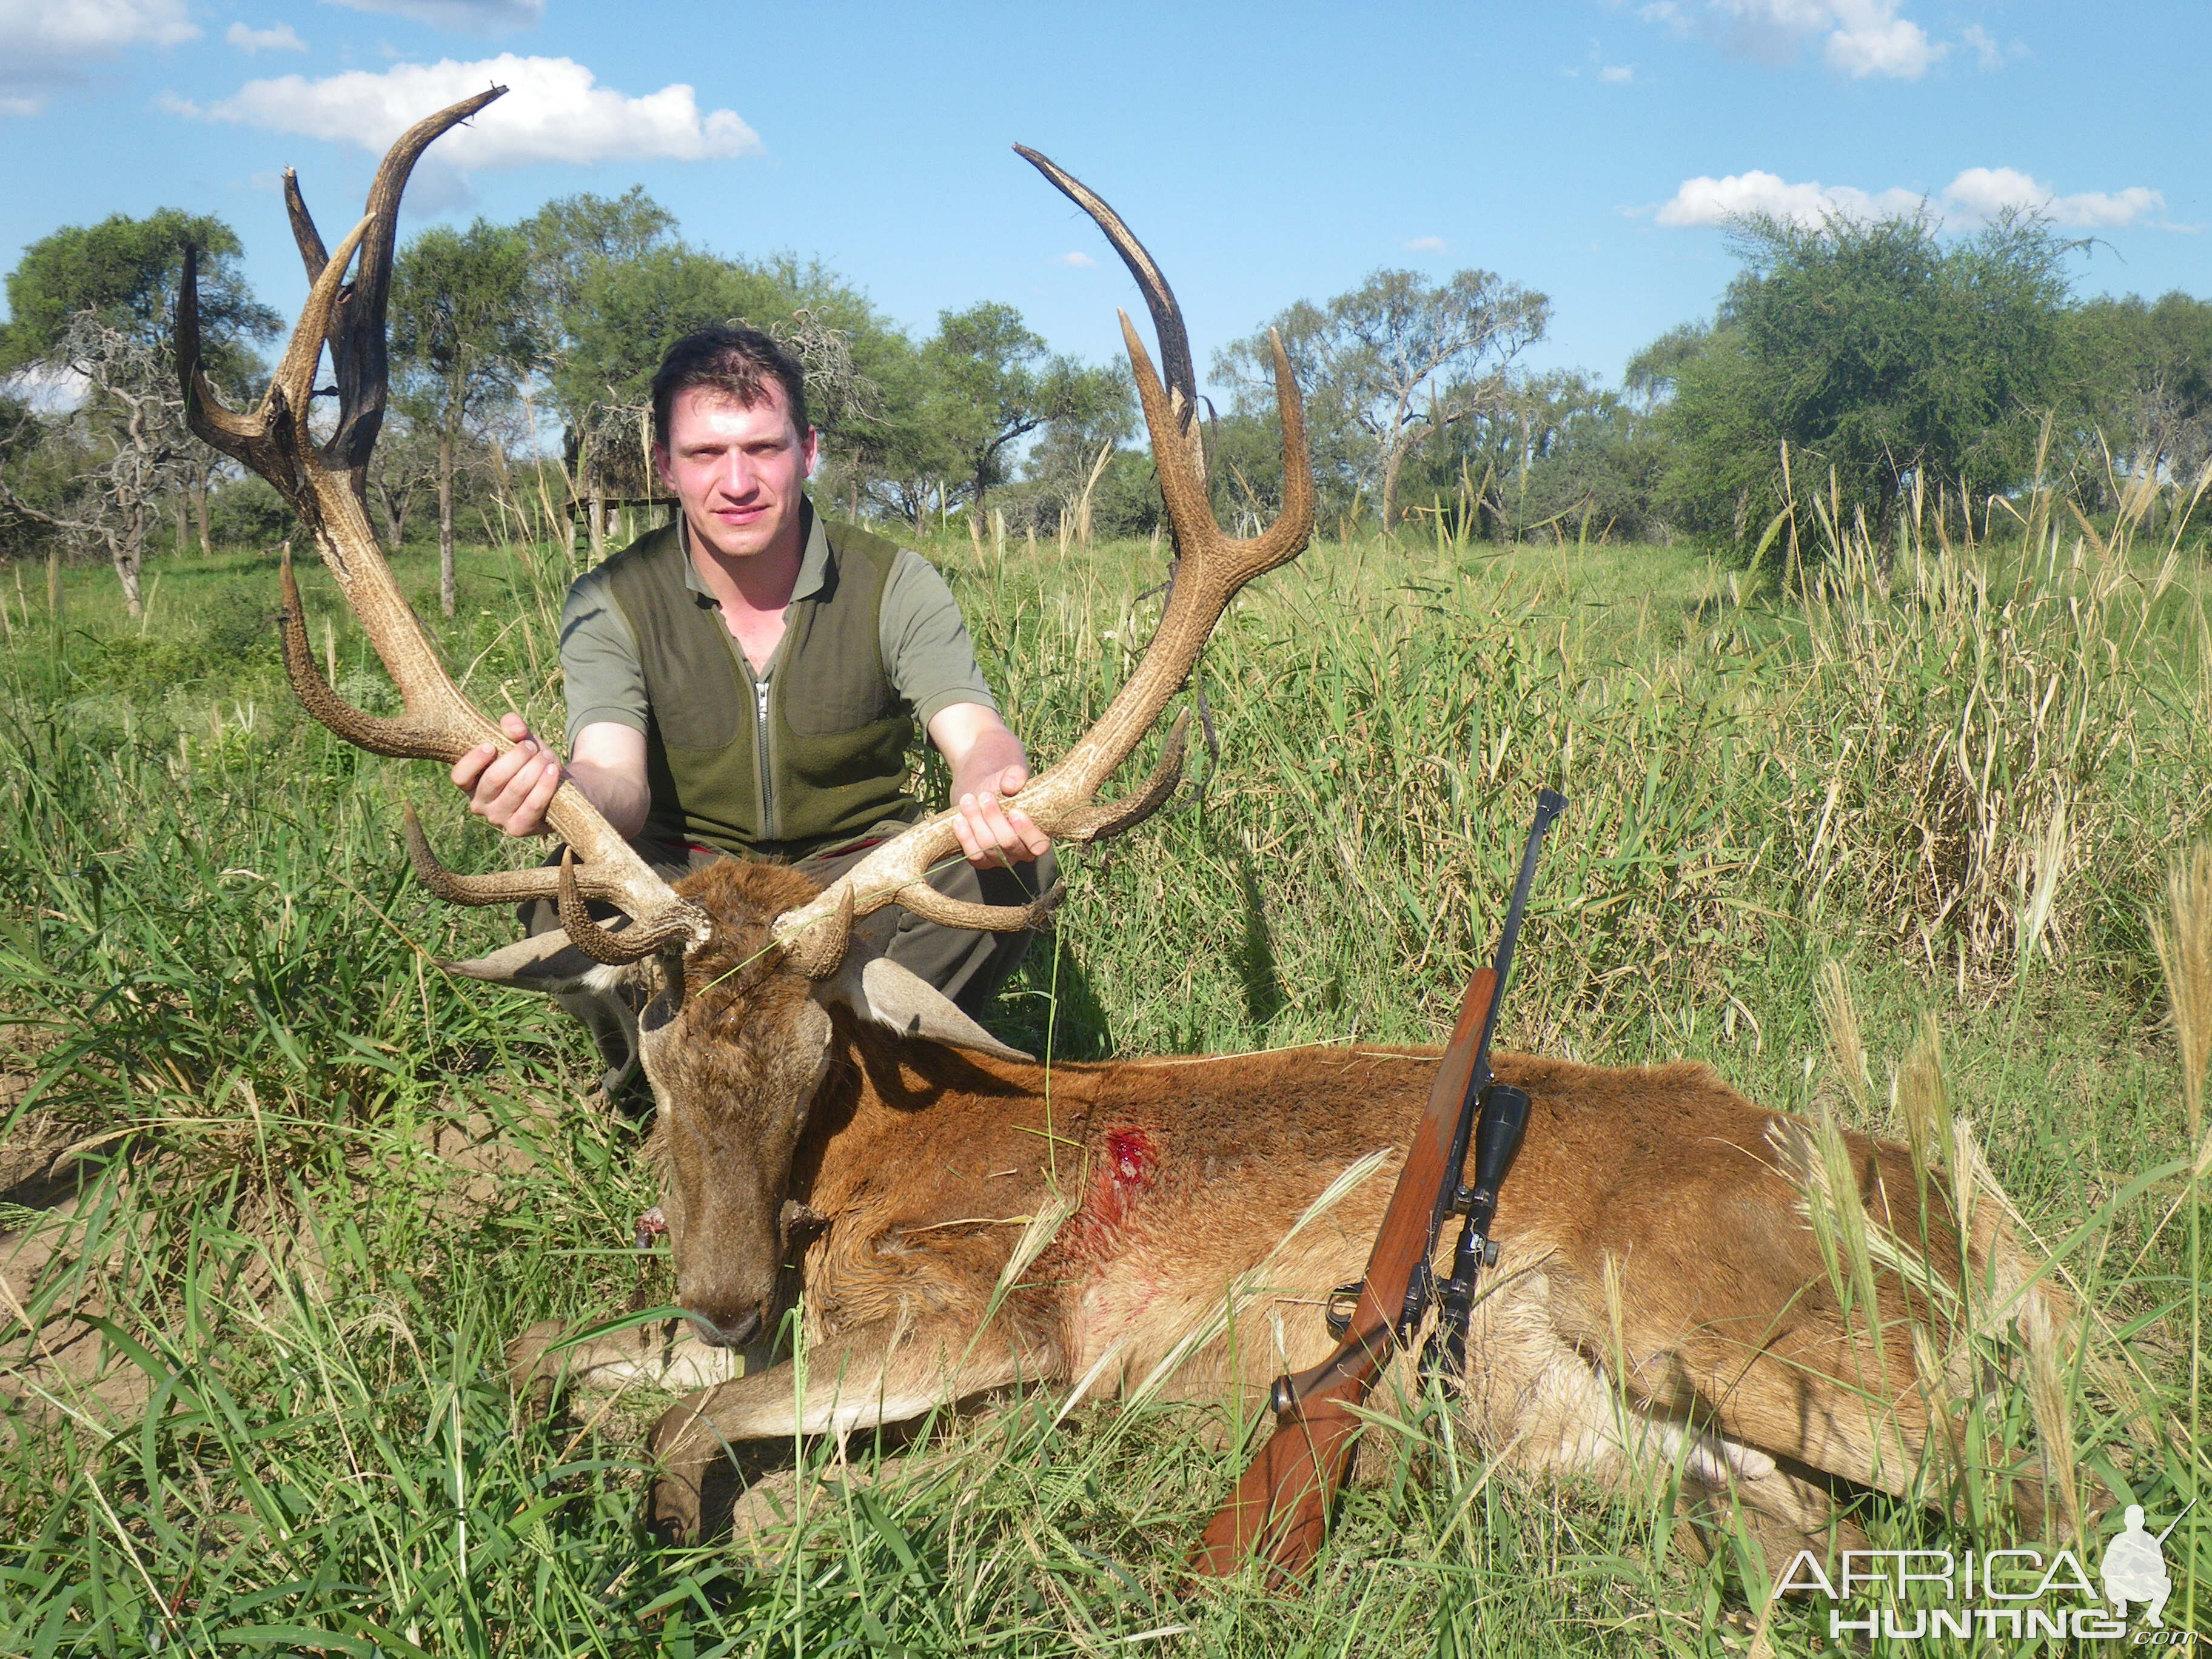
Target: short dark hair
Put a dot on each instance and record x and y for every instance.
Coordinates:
(736, 361)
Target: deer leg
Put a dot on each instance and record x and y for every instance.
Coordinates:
(875, 1374)
(666, 1355)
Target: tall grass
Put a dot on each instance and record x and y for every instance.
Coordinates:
(1881, 838)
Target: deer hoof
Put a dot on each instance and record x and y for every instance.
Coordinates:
(692, 1497)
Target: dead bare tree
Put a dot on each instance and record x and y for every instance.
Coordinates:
(133, 419)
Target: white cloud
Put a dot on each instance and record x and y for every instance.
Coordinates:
(47, 43)
(468, 16)
(1976, 196)
(1983, 192)
(1870, 39)
(1988, 55)
(1859, 38)
(281, 38)
(1708, 201)
(1425, 245)
(1076, 261)
(1617, 74)
(554, 111)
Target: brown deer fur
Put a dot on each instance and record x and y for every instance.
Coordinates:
(1718, 1348)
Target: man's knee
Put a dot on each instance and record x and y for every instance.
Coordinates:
(968, 965)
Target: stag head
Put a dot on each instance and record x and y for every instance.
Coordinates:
(741, 970)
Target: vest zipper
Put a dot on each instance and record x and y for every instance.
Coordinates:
(763, 756)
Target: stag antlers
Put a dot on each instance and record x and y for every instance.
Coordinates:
(1211, 566)
(325, 483)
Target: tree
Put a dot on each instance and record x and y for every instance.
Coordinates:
(401, 473)
(1873, 348)
(1389, 365)
(136, 451)
(2143, 377)
(123, 272)
(992, 382)
(572, 240)
(461, 340)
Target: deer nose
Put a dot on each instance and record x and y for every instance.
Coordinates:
(734, 1334)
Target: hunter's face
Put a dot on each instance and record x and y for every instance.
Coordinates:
(738, 468)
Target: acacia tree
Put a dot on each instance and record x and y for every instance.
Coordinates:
(461, 340)
(129, 426)
(91, 308)
(1875, 348)
(1396, 360)
(992, 382)
(2142, 374)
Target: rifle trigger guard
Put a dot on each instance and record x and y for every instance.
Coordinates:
(1343, 1303)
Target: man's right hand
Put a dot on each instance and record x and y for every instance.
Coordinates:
(511, 787)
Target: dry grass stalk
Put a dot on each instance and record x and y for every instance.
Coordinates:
(1923, 1100)
(2182, 938)
(1840, 1025)
(2051, 1404)
(2047, 859)
(1089, 488)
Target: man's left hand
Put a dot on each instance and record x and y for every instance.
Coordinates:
(992, 830)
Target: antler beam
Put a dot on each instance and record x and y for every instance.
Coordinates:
(1062, 802)
(323, 484)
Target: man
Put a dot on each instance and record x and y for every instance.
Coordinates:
(745, 681)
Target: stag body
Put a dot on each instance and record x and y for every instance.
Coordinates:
(902, 1175)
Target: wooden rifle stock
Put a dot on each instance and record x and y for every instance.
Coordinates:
(1280, 1507)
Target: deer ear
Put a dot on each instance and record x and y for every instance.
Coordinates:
(546, 963)
(878, 989)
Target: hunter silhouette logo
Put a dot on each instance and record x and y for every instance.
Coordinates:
(1906, 1595)
(2135, 1566)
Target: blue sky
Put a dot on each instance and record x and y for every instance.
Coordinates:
(1265, 153)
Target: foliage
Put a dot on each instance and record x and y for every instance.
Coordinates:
(1390, 365)
(313, 1184)
(125, 272)
(248, 512)
(463, 336)
(1877, 352)
(2142, 385)
(995, 383)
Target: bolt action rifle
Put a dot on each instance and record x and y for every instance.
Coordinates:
(1280, 1506)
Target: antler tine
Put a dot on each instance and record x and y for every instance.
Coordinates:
(355, 332)
(215, 423)
(313, 254)
(1175, 365)
(1183, 485)
(500, 886)
(1214, 566)
(322, 483)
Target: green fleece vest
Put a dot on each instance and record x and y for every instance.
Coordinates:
(810, 756)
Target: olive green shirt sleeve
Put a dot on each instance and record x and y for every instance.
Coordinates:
(925, 643)
(600, 668)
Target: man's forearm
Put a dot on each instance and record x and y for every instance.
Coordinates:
(989, 770)
(623, 800)
(608, 765)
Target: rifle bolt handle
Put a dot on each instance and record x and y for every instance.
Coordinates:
(1278, 1396)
